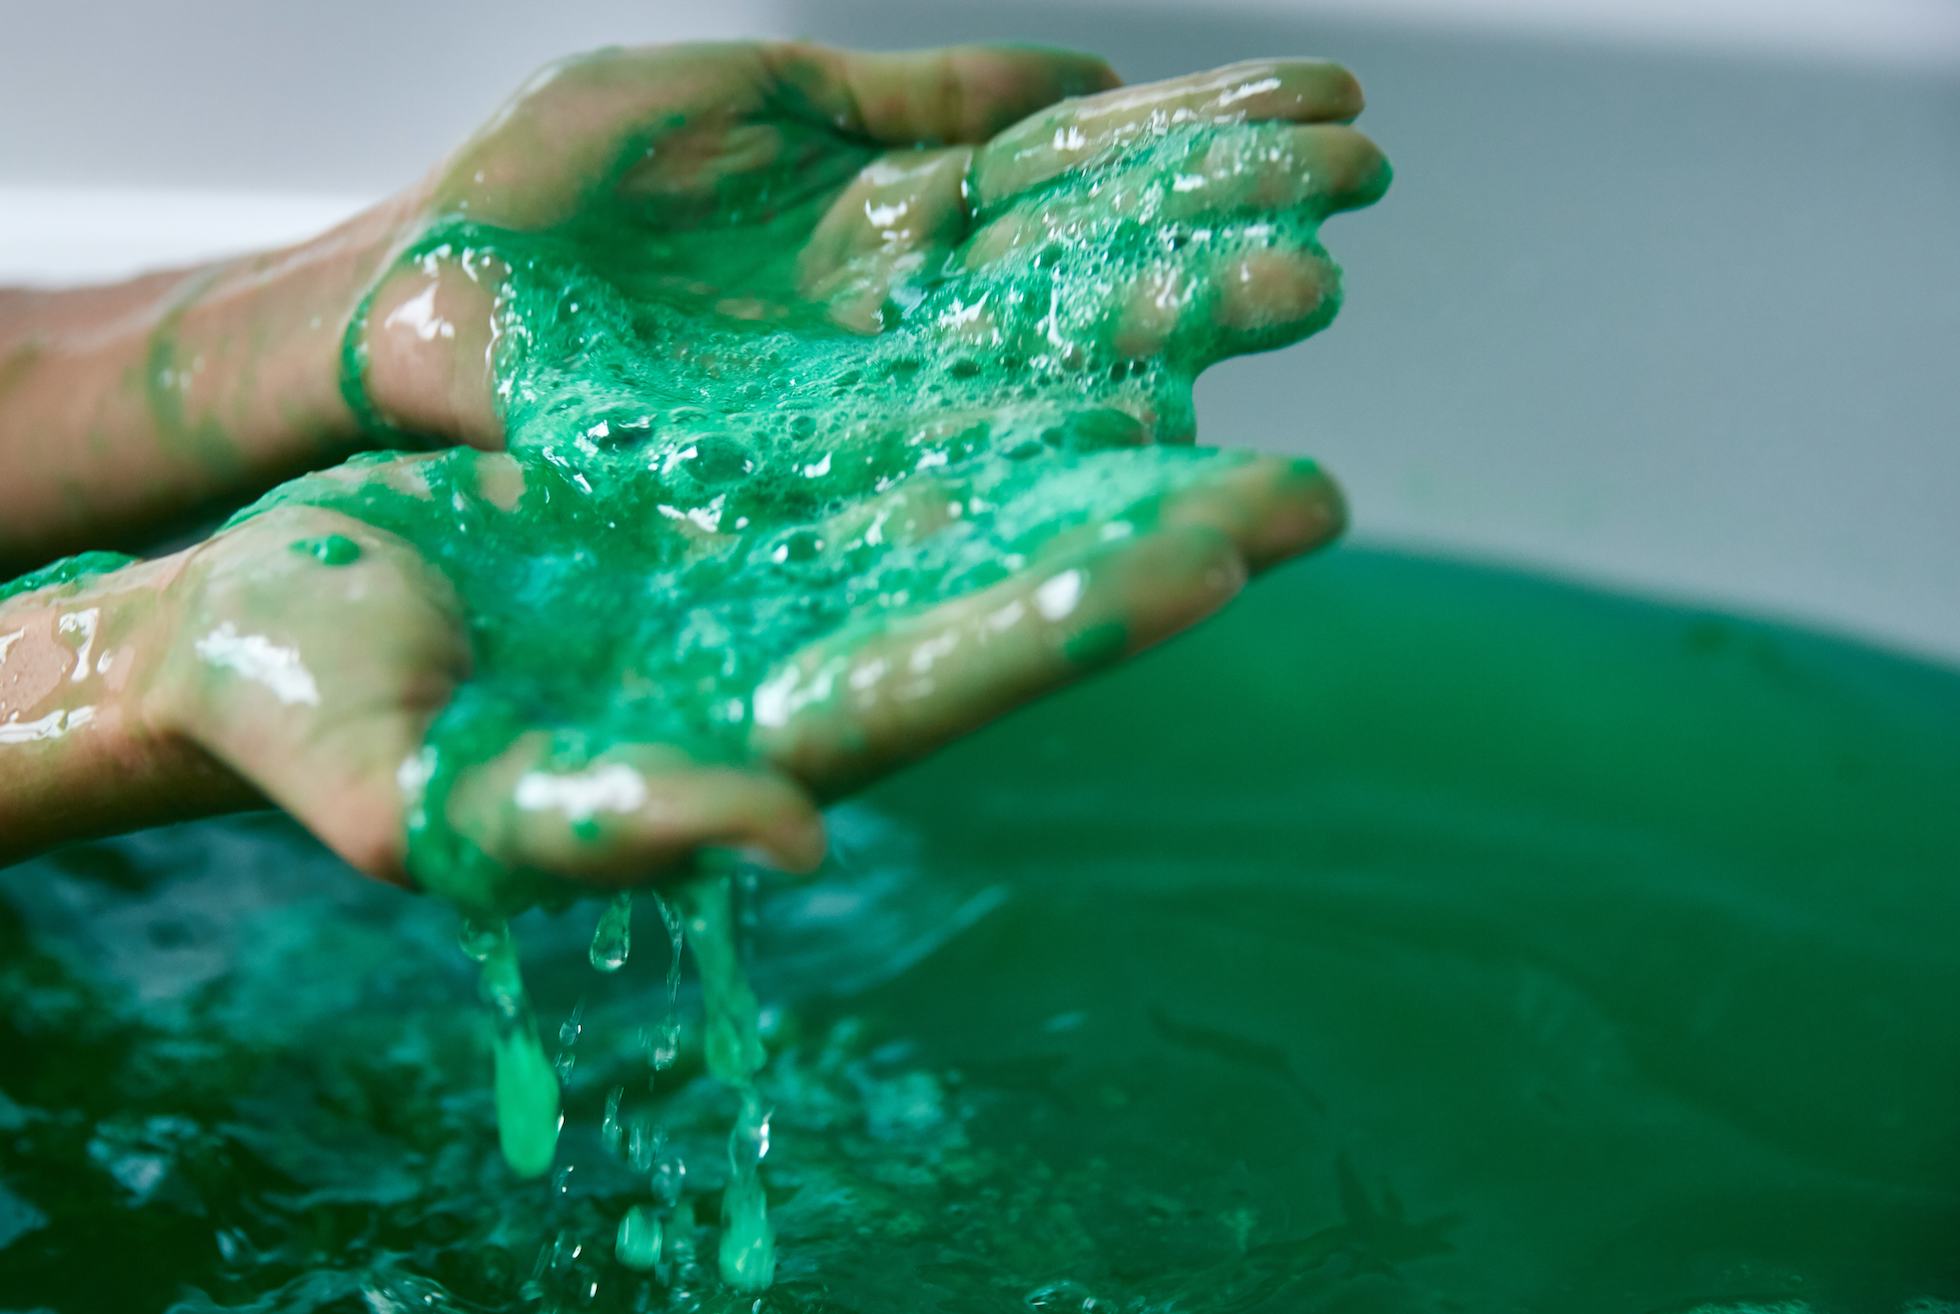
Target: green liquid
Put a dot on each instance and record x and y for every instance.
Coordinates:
(68, 570)
(1421, 938)
(734, 1056)
(638, 1242)
(329, 549)
(612, 938)
(714, 481)
(1444, 938)
(526, 1086)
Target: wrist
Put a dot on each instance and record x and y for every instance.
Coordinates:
(127, 407)
(82, 750)
(416, 358)
(301, 305)
(252, 351)
(420, 353)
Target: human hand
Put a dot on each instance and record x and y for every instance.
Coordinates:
(737, 183)
(780, 514)
(564, 694)
(830, 414)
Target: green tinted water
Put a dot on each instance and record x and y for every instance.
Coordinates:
(1440, 939)
(719, 477)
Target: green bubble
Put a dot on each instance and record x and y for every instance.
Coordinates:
(329, 549)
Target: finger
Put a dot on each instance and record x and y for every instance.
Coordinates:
(902, 516)
(922, 501)
(628, 814)
(877, 231)
(1237, 203)
(859, 703)
(1323, 168)
(1264, 297)
(1054, 140)
(1269, 507)
(949, 94)
(1223, 303)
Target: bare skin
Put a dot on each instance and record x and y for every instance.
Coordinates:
(125, 409)
(238, 672)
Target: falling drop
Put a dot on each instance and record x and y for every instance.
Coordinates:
(528, 1115)
(747, 1253)
(748, 1241)
(731, 1040)
(668, 1176)
(638, 1243)
(481, 938)
(612, 939)
(568, 1033)
(666, 1038)
(612, 1131)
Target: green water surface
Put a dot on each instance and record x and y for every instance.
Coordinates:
(1416, 937)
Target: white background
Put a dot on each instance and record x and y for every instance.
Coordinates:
(1667, 293)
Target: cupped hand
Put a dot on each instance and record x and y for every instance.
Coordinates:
(846, 401)
(904, 197)
(328, 661)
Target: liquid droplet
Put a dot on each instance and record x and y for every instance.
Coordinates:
(638, 1244)
(612, 939)
(747, 1254)
(526, 1086)
(612, 1132)
(481, 938)
(666, 1033)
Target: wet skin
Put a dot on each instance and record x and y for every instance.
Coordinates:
(842, 400)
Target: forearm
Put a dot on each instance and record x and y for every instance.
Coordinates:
(124, 407)
(78, 757)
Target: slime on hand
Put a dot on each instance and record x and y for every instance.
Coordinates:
(328, 549)
(733, 483)
(729, 502)
(711, 484)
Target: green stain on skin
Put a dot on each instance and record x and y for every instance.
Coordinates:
(168, 372)
(68, 570)
(329, 549)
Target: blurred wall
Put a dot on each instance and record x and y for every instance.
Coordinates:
(1669, 302)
